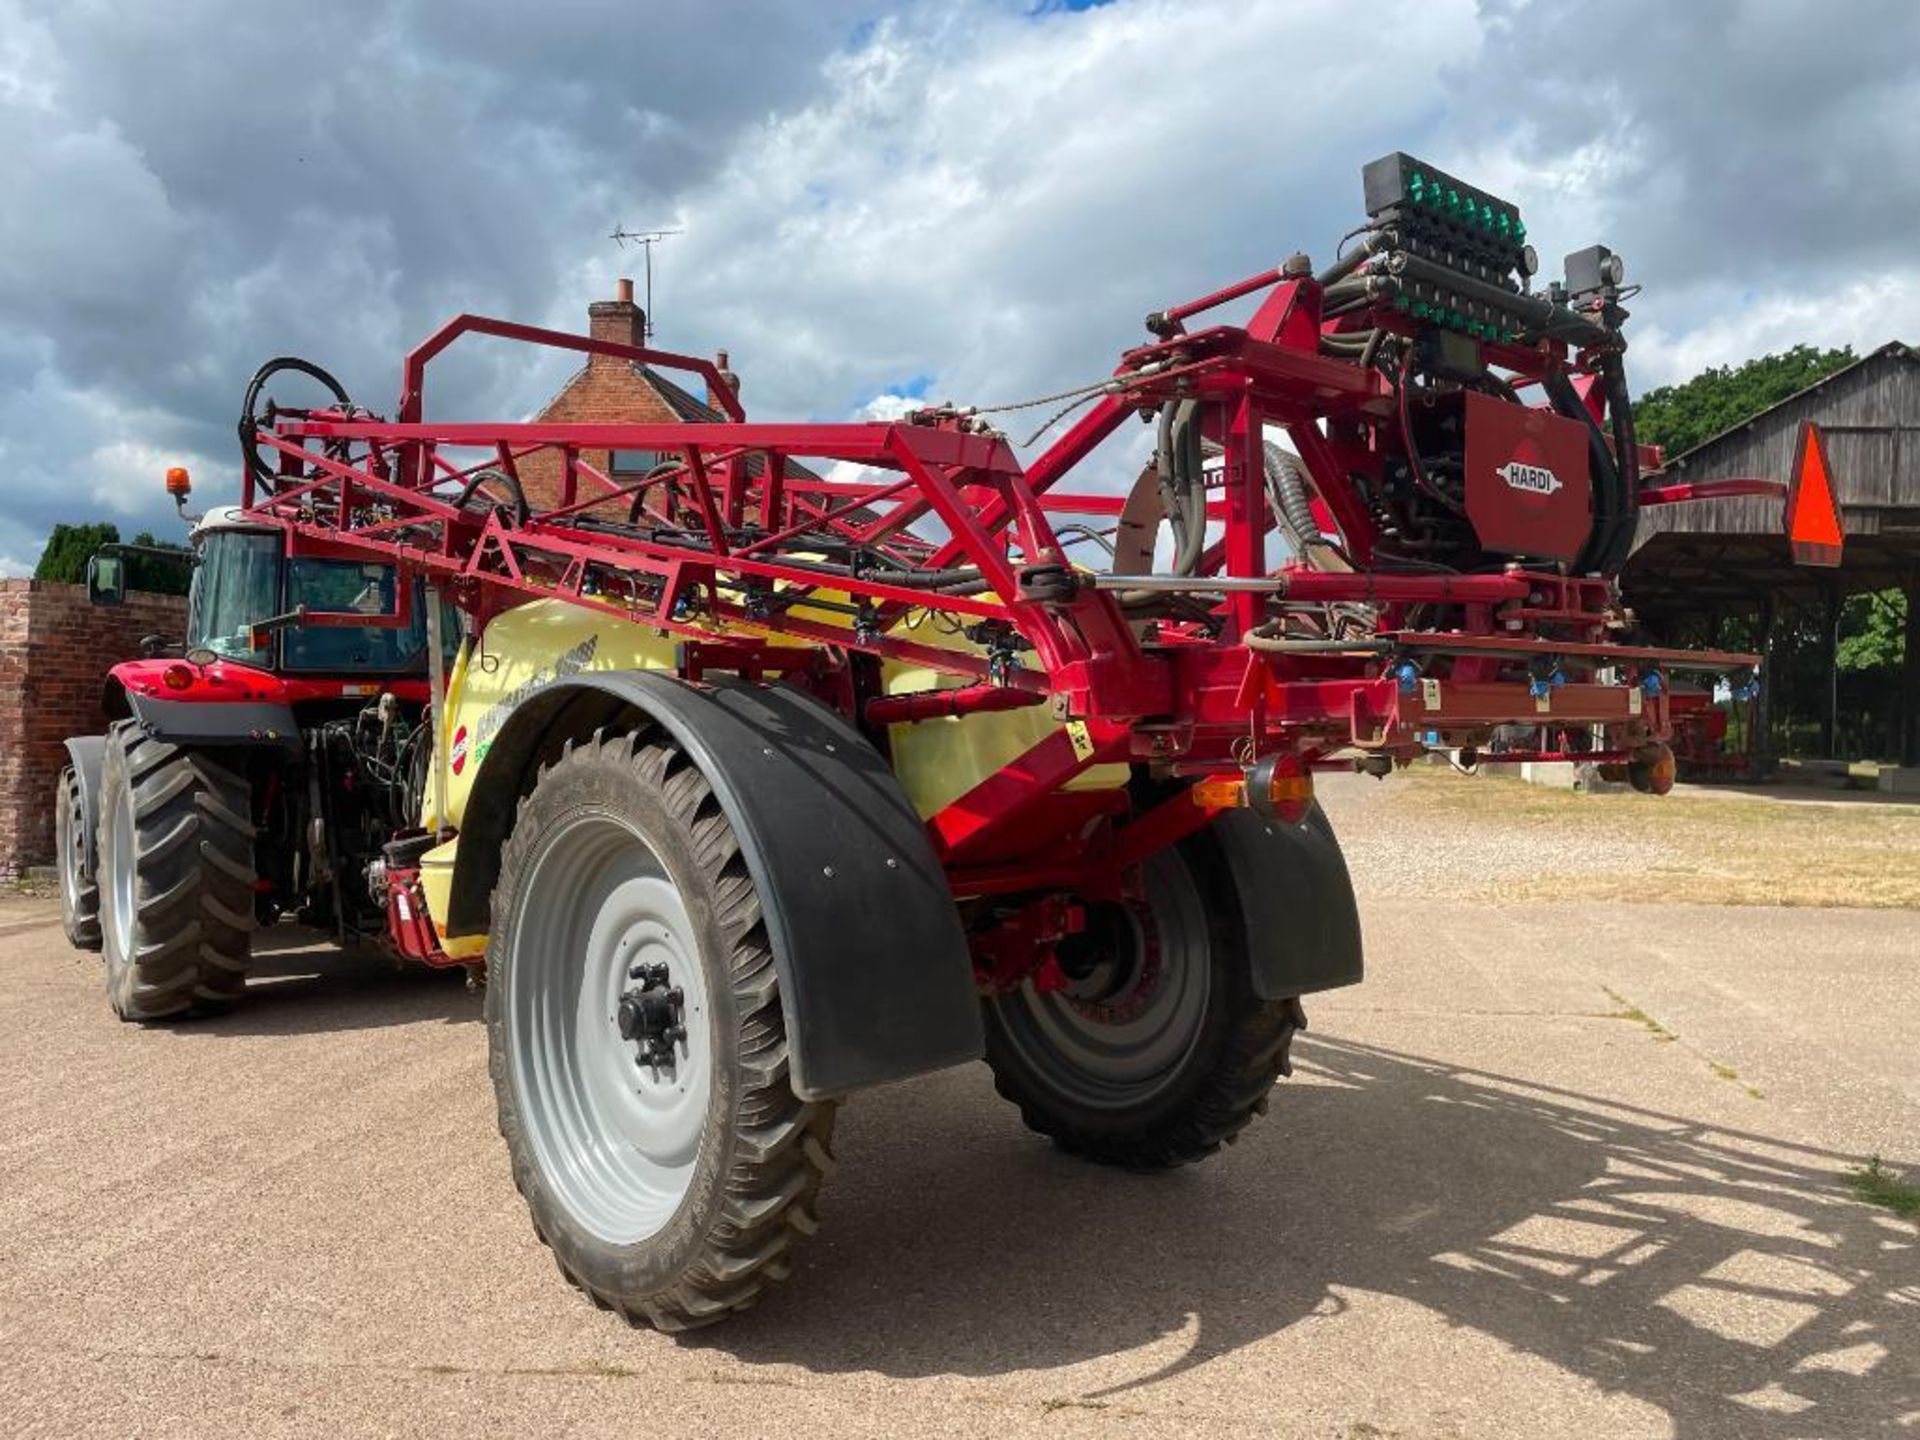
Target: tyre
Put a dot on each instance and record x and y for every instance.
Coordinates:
(79, 890)
(637, 1044)
(1156, 1052)
(176, 877)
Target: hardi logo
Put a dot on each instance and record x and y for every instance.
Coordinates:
(1534, 479)
(459, 755)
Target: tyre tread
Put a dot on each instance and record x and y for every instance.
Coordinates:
(781, 1149)
(193, 878)
(80, 886)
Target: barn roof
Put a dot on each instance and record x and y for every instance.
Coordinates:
(1895, 348)
(1733, 553)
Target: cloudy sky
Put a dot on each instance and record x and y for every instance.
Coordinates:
(974, 199)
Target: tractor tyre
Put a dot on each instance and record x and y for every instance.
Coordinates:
(637, 1044)
(79, 887)
(176, 877)
(1156, 1051)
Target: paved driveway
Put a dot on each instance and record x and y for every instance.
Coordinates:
(1552, 1171)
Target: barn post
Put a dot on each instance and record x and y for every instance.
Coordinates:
(1760, 744)
(1909, 702)
(1830, 660)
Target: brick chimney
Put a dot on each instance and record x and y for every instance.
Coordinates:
(720, 363)
(618, 320)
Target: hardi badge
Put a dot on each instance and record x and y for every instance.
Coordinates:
(458, 752)
(1534, 479)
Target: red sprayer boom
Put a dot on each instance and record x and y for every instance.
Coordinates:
(1446, 453)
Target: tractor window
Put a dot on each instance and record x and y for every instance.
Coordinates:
(348, 587)
(236, 585)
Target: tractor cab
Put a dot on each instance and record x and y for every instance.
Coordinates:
(248, 599)
(250, 603)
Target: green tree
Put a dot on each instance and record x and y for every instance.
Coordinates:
(1873, 632)
(69, 547)
(1679, 417)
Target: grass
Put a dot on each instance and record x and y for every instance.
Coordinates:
(1690, 850)
(1877, 1185)
(1634, 1014)
(1630, 1011)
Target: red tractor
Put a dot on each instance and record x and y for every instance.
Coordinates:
(748, 789)
(254, 769)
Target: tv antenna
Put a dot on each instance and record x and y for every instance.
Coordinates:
(646, 240)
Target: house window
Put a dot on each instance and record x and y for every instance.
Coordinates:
(637, 462)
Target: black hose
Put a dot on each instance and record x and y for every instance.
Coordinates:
(1610, 502)
(250, 420)
(1346, 264)
(521, 513)
(1626, 453)
(664, 467)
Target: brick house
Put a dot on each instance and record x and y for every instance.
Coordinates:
(608, 389)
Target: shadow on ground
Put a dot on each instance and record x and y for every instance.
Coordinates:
(1681, 1264)
(301, 984)
(1725, 1277)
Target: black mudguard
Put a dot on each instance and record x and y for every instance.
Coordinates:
(1303, 927)
(188, 722)
(876, 982)
(86, 753)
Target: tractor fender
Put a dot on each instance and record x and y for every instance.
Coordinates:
(87, 753)
(876, 981)
(227, 722)
(1296, 900)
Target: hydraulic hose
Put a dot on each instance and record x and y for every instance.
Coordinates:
(250, 418)
(1265, 639)
(1183, 492)
(518, 497)
(1611, 505)
(1626, 454)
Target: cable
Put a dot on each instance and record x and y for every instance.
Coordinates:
(1413, 450)
(1060, 415)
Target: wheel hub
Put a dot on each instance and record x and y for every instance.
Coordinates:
(651, 1015)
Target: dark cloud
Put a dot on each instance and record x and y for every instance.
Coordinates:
(196, 186)
(983, 193)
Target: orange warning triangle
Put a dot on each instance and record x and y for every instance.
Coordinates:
(1813, 514)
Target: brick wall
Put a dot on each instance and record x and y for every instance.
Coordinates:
(55, 650)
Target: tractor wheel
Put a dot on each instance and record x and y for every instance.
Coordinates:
(79, 889)
(1156, 1051)
(176, 876)
(637, 1044)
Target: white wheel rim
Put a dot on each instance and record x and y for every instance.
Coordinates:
(617, 1140)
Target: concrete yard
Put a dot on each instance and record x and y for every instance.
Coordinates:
(1556, 1169)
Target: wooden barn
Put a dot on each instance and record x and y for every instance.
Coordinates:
(1694, 565)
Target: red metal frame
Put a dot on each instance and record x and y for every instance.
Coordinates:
(1522, 646)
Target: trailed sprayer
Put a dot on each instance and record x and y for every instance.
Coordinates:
(823, 755)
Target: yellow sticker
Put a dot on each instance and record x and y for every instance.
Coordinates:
(1082, 741)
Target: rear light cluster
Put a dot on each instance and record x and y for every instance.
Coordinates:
(1279, 787)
